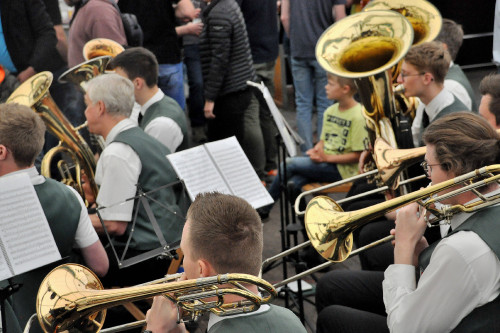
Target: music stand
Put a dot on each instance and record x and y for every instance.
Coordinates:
(143, 198)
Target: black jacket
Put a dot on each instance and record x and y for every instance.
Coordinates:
(224, 50)
(29, 35)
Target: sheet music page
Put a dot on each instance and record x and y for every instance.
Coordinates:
(238, 172)
(24, 231)
(199, 173)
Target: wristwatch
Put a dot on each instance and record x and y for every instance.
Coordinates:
(147, 331)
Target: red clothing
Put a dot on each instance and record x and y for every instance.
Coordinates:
(96, 19)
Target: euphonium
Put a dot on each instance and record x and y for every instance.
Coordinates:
(84, 72)
(35, 93)
(330, 229)
(70, 297)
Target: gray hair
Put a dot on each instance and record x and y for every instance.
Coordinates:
(115, 91)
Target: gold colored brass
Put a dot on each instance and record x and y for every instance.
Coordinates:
(34, 93)
(423, 16)
(390, 161)
(71, 297)
(85, 71)
(101, 47)
(330, 229)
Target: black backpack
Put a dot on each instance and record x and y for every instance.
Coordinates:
(133, 30)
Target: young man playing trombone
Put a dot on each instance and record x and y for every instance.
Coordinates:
(459, 276)
(223, 234)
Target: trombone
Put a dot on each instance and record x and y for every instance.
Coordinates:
(390, 163)
(71, 297)
(330, 229)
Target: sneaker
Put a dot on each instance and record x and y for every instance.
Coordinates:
(263, 213)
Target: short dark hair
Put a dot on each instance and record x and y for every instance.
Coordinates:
(452, 35)
(138, 62)
(490, 85)
(226, 231)
(430, 57)
(463, 141)
(22, 131)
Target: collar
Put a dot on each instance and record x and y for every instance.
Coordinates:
(35, 177)
(156, 98)
(214, 319)
(121, 126)
(438, 103)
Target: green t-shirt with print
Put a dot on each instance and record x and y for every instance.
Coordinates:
(344, 132)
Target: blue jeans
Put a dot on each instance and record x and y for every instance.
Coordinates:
(302, 170)
(196, 100)
(309, 80)
(171, 82)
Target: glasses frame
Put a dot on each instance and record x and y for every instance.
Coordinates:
(428, 168)
(403, 76)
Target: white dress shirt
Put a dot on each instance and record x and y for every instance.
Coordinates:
(463, 274)
(85, 232)
(438, 103)
(117, 174)
(163, 129)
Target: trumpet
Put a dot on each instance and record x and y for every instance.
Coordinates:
(71, 297)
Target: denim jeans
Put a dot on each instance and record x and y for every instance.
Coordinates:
(309, 81)
(171, 82)
(196, 99)
(302, 170)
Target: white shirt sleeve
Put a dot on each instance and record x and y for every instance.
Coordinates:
(117, 173)
(462, 275)
(85, 232)
(167, 131)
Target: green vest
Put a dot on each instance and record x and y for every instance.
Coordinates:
(168, 107)
(62, 210)
(486, 225)
(276, 320)
(455, 73)
(456, 106)
(156, 172)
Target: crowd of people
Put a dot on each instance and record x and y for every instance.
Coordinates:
(211, 49)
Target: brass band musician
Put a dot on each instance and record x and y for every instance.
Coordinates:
(459, 279)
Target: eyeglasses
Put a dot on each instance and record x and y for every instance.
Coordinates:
(404, 75)
(427, 168)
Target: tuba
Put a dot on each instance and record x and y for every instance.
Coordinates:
(35, 93)
(367, 47)
(71, 297)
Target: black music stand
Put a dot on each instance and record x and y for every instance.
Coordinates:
(5, 293)
(165, 249)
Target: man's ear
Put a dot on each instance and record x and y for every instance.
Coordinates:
(102, 107)
(3, 152)
(205, 268)
(138, 83)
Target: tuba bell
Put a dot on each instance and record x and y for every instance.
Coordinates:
(101, 47)
(34, 93)
(87, 70)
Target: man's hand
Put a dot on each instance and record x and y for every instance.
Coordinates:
(26, 74)
(162, 317)
(365, 157)
(409, 240)
(208, 109)
(87, 191)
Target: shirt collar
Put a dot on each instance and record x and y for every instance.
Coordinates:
(35, 177)
(156, 98)
(121, 126)
(438, 103)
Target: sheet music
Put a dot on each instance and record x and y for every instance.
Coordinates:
(25, 235)
(238, 172)
(198, 171)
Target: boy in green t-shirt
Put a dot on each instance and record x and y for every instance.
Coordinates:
(336, 155)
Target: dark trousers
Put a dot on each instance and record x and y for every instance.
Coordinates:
(229, 110)
(351, 301)
(196, 99)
